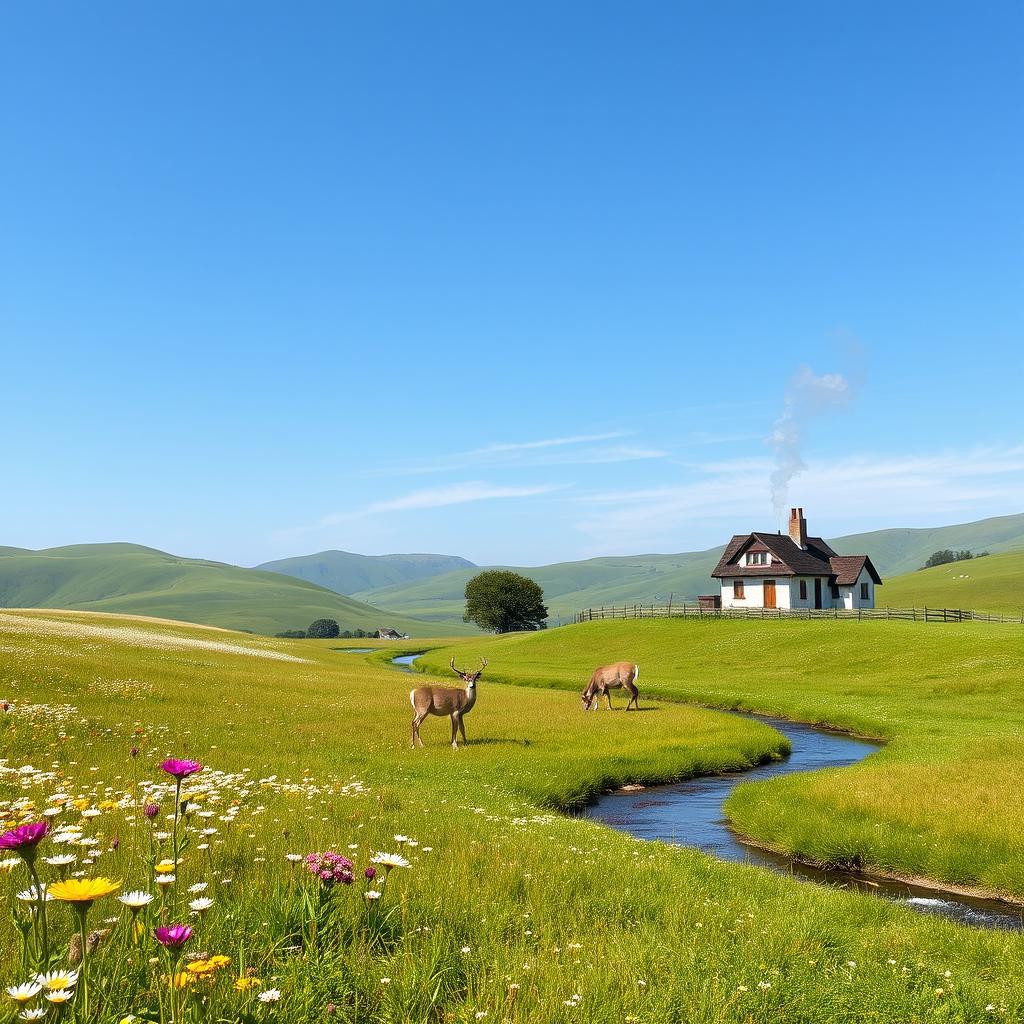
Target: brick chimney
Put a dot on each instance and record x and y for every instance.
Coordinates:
(798, 527)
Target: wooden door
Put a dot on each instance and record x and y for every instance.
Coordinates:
(817, 593)
(769, 593)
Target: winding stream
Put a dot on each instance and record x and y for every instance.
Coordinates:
(691, 814)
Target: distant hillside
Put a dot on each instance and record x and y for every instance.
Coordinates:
(652, 578)
(992, 584)
(144, 581)
(347, 573)
(899, 551)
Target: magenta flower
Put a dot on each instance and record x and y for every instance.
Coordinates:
(370, 872)
(330, 868)
(151, 811)
(24, 837)
(181, 769)
(173, 936)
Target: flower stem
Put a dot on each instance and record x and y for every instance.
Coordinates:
(83, 913)
(44, 957)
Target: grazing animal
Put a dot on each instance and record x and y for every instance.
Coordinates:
(446, 700)
(623, 674)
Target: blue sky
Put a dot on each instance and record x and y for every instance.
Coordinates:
(520, 282)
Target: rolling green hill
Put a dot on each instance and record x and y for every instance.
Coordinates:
(652, 578)
(348, 573)
(144, 581)
(993, 584)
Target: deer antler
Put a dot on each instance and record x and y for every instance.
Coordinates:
(457, 671)
(483, 664)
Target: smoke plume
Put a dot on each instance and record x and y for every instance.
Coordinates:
(808, 397)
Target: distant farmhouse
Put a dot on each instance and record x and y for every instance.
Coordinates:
(771, 570)
(391, 634)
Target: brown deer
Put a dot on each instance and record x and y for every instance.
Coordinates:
(445, 700)
(623, 674)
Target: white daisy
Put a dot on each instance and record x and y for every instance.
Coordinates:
(57, 980)
(389, 861)
(270, 996)
(136, 899)
(201, 905)
(25, 991)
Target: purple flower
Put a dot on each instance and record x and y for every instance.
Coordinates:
(24, 837)
(370, 872)
(134, 752)
(330, 868)
(173, 936)
(181, 769)
(151, 811)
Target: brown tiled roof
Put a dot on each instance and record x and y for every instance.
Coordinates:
(817, 559)
(847, 569)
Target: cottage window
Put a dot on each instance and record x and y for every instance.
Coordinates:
(864, 592)
(737, 590)
(757, 558)
(803, 590)
(835, 591)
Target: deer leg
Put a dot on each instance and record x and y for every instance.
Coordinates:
(608, 697)
(416, 723)
(462, 730)
(455, 727)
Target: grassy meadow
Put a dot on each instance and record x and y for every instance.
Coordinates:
(940, 801)
(506, 910)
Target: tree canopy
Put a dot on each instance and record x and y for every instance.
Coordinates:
(323, 629)
(503, 601)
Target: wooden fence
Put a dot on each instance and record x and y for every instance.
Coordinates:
(696, 611)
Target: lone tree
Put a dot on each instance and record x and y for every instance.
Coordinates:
(323, 629)
(503, 601)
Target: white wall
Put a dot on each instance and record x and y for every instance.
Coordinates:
(787, 593)
(754, 593)
(865, 577)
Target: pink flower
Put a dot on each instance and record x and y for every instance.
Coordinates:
(151, 811)
(173, 936)
(24, 837)
(370, 872)
(330, 868)
(181, 769)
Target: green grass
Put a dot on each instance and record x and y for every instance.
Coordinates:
(647, 579)
(507, 910)
(991, 584)
(940, 801)
(142, 581)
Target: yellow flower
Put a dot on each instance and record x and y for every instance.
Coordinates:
(82, 890)
(209, 965)
(80, 804)
(244, 984)
(164, 867)
(180, 980)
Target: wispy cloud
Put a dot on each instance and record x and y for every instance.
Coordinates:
(551, 442)
(570, 450)
(434, 497)
(439, 497)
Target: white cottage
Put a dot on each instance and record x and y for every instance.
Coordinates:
(773, 570)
